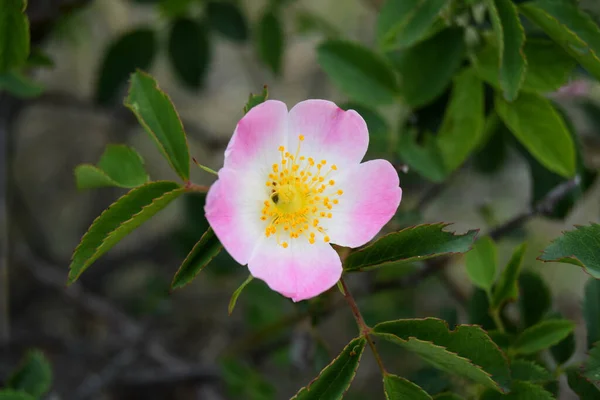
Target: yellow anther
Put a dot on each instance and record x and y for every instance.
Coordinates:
(281, 148)
(340, 192)
(334, 167)
(323, 162)
(326, 238)
(284, 245)
(329, 215)
(332, 182)
(321, 179)
(335, 201)
(311, 240)
(301, 137)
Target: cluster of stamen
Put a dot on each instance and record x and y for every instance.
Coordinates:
(301, 194)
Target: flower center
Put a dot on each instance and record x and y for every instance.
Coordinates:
(300, 194)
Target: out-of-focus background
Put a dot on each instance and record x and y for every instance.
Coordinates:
(118, 333)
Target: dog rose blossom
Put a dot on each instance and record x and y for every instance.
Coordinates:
(292, 184)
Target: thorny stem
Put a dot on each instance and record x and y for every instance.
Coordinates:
(364, 329)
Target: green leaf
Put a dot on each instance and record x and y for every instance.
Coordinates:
(119, 166)
(543, 335)
(536, 124)
(425, 159)
(520, 391)
(227, 19)
(171, 9)
(270, 41)
(14, 34)
(308, 22)
(526, 370)
(466, 351)
(507, 288)
(189, 51)
(358, 72)
(535, 299)
(256, 99)
(462, 129)
(447, 396)
(119, 219)
(591, 311)
(402, 23)
(34, 376)
(585, 389)
(397, 388)
(482, 263)
(19, 85)
(415, 243)
(9, 394)
(243, 382)
(335, 379)
(237, 293)
(578, 247)
(135, 49)
(156, 113)
(511, 38)
(570, 27)
(548, 65)
(201, 254)
(592, 364)
(564, 350)
(423, 77)
(479, 310)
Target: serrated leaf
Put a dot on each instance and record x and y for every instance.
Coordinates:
(119, 166)
(425, 159)
(335, 379)
(578, 247)
(156, 113)
(402, 23)
(591, 366)
(415, 243)
(462, 129)
(526, 370)
(227, 19)
(423, 77)
(14, 34)
(591, 311)
(135, 49)
(256, 99)
(467, 351)
(543, 335)
(569, 26)
(482, 262)
(535, 298)
(270, 41)
(19, 85)
(189, 51)
(34, 375)
(118, 220)
(357, 71)
(536, 124)
(585, 389)
(397, 388)
(237, 293)
(201, 254)
(507, 288)
(9, 394)
(520, 391)
(510, 37)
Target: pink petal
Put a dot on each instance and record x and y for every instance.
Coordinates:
(300, 271)
(257, 136)
(338, 136)
(370, 199)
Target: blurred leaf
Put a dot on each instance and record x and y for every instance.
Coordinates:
(542, 335)
(482, 262)
(201, 254)
(577, 247)
(464, 120)
(270, 38)
(263, 307)
(507, 288)
(520, 391)
(402, 23)
(479, 310)
(119, 166)
(447, 396)
(244, 382)
(548, 66)
(19, 85)
(467, 351)
(156, 113)
(592, 364)
(425, 159)
(490, 157)
(9, 394)
(38, 58)
(535, 298)
(537, 125)
(256, 99)
(379, 129)
(415, 243)
(119, 219)
(397, 388)
(423, 77)
(510, 37)
(564, 350)
(307, 21)
(526, 370)
(570, 27)
(189, 51)
(431, 379)
(14, 34)
(174, 8)
(591, 311)
(135, 49)
(237, 293)
(358, 72)
(34, 375)
(585, 389)
(227, 19)
(335, 379)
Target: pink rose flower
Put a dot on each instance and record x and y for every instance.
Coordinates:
(291, 185)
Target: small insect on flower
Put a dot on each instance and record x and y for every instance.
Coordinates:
(292, 184)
